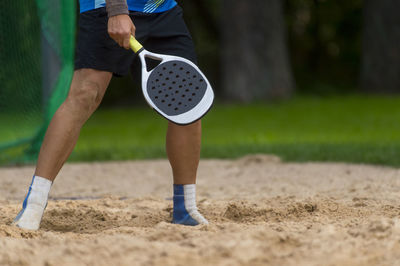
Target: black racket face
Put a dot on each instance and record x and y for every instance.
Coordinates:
(176, 87)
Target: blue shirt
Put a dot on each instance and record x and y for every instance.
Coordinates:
(146, 6)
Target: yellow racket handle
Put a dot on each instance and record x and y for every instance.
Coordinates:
(135, 45)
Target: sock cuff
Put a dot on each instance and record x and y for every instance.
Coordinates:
(189, 189)
(178, 190)
(41, 184)
(183, 190)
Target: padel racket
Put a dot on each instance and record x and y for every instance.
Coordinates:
(175, 88)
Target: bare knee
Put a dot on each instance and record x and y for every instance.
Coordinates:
(84, 97)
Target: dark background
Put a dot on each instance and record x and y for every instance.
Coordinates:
(271, 49)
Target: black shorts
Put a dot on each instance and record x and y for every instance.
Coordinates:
(164, 33)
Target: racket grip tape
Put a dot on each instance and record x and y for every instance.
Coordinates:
(135, 45)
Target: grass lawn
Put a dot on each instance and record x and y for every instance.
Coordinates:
(349, 129)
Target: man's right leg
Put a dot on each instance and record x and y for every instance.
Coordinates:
(86, 92)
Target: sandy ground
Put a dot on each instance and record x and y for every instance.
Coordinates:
(262, 212)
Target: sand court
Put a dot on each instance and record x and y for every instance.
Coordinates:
(262, 212)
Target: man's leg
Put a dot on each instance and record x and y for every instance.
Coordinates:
(86, 92)
(183, 150)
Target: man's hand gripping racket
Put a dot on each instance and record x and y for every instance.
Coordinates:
(176, 88)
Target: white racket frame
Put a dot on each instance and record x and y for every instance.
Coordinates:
(190, 116)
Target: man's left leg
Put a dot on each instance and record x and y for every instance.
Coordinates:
(183, 150)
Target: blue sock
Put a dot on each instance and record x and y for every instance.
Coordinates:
(185, 210)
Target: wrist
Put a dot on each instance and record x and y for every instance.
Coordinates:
(119, 16)
(117, 9)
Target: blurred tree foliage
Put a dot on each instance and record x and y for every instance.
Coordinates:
(380, 71)
(254, 54)
(325, 44)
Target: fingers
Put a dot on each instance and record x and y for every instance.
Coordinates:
(120, 28)
(120, 37)
(125, 42)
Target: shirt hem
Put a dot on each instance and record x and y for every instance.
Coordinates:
(160, 9)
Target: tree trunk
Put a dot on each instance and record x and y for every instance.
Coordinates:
(255, 57)
(380, 69)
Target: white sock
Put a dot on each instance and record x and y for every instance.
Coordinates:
(190, 203)
(34, 204)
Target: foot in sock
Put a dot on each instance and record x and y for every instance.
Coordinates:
(185, 211)
(34, 204)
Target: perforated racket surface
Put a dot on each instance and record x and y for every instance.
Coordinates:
(176, 88)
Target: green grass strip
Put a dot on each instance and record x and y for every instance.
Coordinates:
(349, 129)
